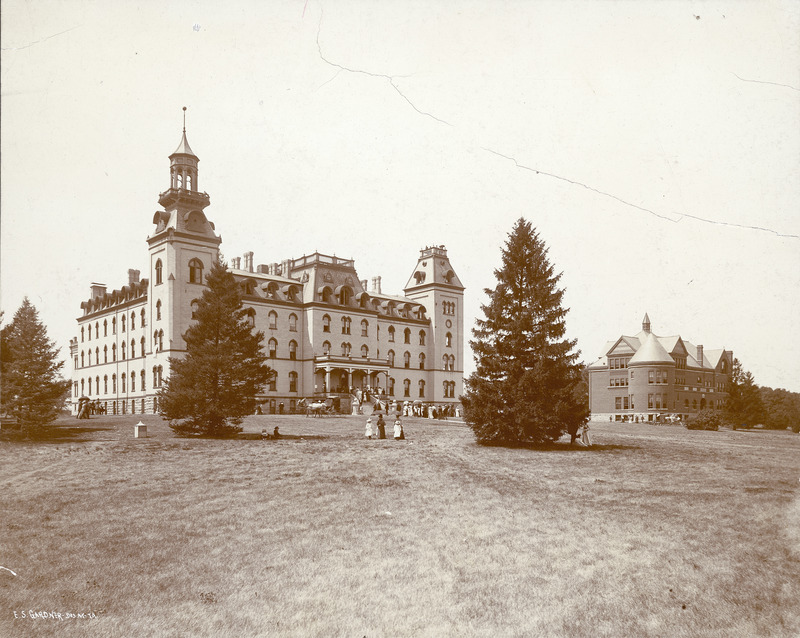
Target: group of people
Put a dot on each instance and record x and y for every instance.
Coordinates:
(378, 429)
(580, 434)
(87, 407)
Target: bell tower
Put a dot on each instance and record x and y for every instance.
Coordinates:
(435, 285)
(182, 247)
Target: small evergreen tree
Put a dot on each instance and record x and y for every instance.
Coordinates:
(214, 386)
(526, 387)
(33, 390)
(745, 405)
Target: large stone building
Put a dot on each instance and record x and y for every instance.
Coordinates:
(649, 378)
(326, 331)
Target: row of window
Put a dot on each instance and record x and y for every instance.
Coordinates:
(195, 271)
(618, 363)
(656, 376)
(126, 381)
(448, 307)
(86, 331)
(618, 382)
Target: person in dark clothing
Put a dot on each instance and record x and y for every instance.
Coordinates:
(381, 427)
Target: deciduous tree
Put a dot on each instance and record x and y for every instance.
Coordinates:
(212, 388)
(745, 406)
(526, 388)
(33, 390)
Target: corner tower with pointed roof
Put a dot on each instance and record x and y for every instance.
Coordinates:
(435, 285)
(182, 248)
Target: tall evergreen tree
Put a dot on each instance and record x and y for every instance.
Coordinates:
(214, 386)
(526, 387)
(33, 390)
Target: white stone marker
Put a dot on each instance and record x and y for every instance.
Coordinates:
(140, 431)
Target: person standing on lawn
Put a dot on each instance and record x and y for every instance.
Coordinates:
(399, 435)
(368, 431)
(585, 436)
(381, 428)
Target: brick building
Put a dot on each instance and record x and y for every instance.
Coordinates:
(648, 378)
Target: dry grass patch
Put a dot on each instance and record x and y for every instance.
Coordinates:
(656, 532)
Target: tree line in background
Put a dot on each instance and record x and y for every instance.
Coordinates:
(750, 404)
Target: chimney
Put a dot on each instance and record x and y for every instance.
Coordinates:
(378, 287)
(364, 284)
(133, 276)
(98, 290)
(248, 261)
(285, 265)
(262, 268)
(236, 263)
(700, 355)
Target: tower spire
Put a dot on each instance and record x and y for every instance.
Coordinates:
(184, 120)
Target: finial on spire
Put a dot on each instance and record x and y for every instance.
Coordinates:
(184, 119)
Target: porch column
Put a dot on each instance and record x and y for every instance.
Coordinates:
(327, 379)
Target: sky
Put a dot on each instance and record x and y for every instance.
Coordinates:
(654, 146)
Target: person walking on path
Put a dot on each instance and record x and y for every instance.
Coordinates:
(368, 431)
(585, 436)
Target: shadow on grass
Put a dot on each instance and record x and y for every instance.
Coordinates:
(558, 447)
(49, 434)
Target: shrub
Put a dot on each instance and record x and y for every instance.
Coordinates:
(705, 420)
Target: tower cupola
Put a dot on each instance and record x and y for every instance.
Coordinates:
(183, 174)
(646, 324)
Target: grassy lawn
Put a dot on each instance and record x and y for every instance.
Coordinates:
(656, 531)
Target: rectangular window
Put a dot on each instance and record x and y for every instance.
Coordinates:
(618, 403)
(649, 400)
(650, 376)
(625, 402)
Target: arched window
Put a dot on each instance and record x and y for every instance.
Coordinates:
(273, 348)
(293, 349)
(141, 344)
(133, 382)
(422, 388)
(326, 348)
(448, 340)
(345, 349)
(422, 337)
(406, 388)
(406, 359)
(273, 320)
(364, 351)
(133, 321)
(251, 317)
(155, 377)
(364, 328)
(97, 355)
(114, 383)
(160, 372)
(421, 360)
(158, 310)
(391, 334)
(141, 376)
(159, 271)
(113, 351)
(113, 325)
(90, 332)
(83, 361)
(391, 386)
(407, 335)
(122, 320)
(390, 357)
(446, 389)
(344, 296)
(195, 271)
(105, 384)
(90, 385)
(105, 327)
(345, 325)
(195, 308)
(143, 321)
(96, 329)
(272, 384)
(292, 381)
(445, 361)
(292, 322)
(122, 380)
(133, 348)
(160, 339)
(326, 323)
(82, 333)
(122, 351)
(82, 387)
(452, 362)
(89, 355)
